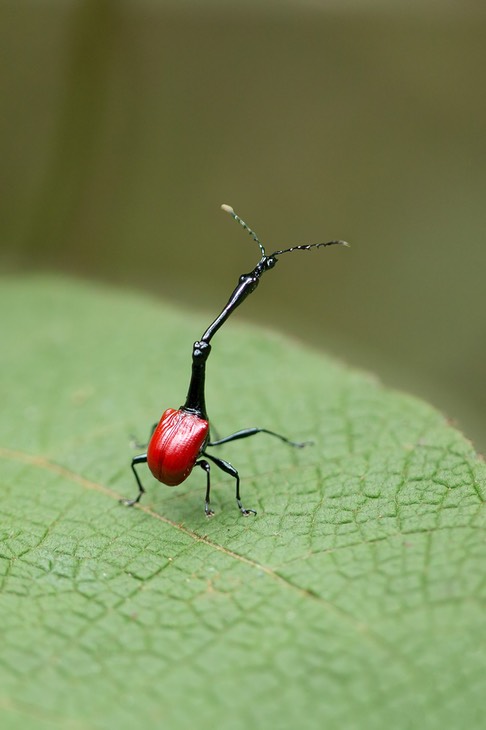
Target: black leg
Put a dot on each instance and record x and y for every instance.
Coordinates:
(230, 469)
(134, 443)
(245, 432)
(204, 465)
(142, 459)
(213, 432)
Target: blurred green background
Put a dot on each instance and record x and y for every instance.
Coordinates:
(125, 124)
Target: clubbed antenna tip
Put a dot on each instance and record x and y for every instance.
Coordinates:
(229, 209)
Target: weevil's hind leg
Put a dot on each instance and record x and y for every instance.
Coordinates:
(213, 432)
(134, 443)
(204, 465)
(142, 459)
(246, 432)
(230, 469)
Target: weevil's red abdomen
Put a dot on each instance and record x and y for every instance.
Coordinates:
(175, 445)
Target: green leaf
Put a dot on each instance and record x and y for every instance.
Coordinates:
(352, 600)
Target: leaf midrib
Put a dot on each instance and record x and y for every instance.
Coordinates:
(359, 627)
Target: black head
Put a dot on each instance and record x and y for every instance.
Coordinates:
(268, 262)
(247, 283)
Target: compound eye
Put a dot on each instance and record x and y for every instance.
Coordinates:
(270, 262)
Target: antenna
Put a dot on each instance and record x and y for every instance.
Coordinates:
(308, 246)
(229, 209)
(302, 247)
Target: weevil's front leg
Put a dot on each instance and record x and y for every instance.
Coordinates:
(246, 432)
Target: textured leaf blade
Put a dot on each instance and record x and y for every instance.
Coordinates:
(354, 598)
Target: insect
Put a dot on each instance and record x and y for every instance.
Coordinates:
(179, 441)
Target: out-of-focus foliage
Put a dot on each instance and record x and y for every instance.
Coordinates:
(124, 125)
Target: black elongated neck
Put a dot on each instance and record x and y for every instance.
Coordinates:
(195, 401)
(246, 285)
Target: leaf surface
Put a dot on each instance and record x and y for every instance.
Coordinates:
(355, 598)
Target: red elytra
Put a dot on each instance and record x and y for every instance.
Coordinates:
(175, 445)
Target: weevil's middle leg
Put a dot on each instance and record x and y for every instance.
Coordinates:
(204, 465)
(230, 469)
(142, 459)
